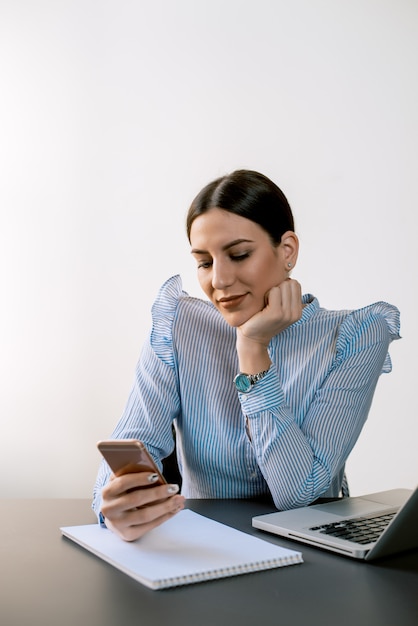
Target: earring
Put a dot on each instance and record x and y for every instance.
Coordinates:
(289, 265)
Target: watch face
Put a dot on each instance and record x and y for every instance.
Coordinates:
(242, 383)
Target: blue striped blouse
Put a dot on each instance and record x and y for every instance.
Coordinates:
(304, 416)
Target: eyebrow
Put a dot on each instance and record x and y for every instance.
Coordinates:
(231, 244)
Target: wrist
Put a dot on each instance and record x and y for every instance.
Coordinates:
(253, 357)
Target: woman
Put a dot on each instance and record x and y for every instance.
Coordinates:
(267, 392)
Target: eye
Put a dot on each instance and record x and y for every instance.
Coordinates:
(204, 265)
(239, 257)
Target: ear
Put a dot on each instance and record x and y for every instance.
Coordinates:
(290, 249)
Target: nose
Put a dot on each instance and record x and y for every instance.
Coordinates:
(222, 275)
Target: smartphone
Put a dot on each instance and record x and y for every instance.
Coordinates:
(125, 456)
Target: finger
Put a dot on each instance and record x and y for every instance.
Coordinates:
(290, 287)
(149, 496)
(136, 523)
(127, 482)
(291, 297)
(285, 302)
(115, 507)
(147, 514)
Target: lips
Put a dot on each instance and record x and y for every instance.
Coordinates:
(230, 302)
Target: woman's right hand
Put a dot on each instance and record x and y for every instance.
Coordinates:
(131, 506)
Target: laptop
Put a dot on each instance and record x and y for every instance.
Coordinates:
(365, 527)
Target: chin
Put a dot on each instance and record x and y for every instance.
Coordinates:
(236, 319)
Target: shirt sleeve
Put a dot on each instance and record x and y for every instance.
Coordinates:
(299, 462)
(154, 402)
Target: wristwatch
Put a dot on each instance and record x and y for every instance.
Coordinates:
(244, 382)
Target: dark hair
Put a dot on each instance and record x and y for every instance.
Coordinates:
(248, 194)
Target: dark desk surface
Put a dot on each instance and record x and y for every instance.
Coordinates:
(47, 580)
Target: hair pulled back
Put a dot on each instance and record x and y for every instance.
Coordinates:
(248, 194)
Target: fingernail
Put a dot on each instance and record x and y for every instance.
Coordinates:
(152, 478)
(172, 489)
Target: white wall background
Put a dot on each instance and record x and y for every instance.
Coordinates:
(113, 114)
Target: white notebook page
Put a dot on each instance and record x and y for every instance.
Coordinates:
(187, 548)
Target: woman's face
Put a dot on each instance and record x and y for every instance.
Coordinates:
(237, 263)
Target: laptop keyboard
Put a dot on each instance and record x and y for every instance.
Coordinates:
(361, 530)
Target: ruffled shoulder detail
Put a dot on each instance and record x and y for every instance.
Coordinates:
(375, 320)
(163, 312)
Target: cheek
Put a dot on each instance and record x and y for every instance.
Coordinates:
(204, 282)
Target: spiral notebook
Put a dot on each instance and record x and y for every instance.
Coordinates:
(188, 548)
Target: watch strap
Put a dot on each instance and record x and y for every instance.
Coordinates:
(254, 378)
